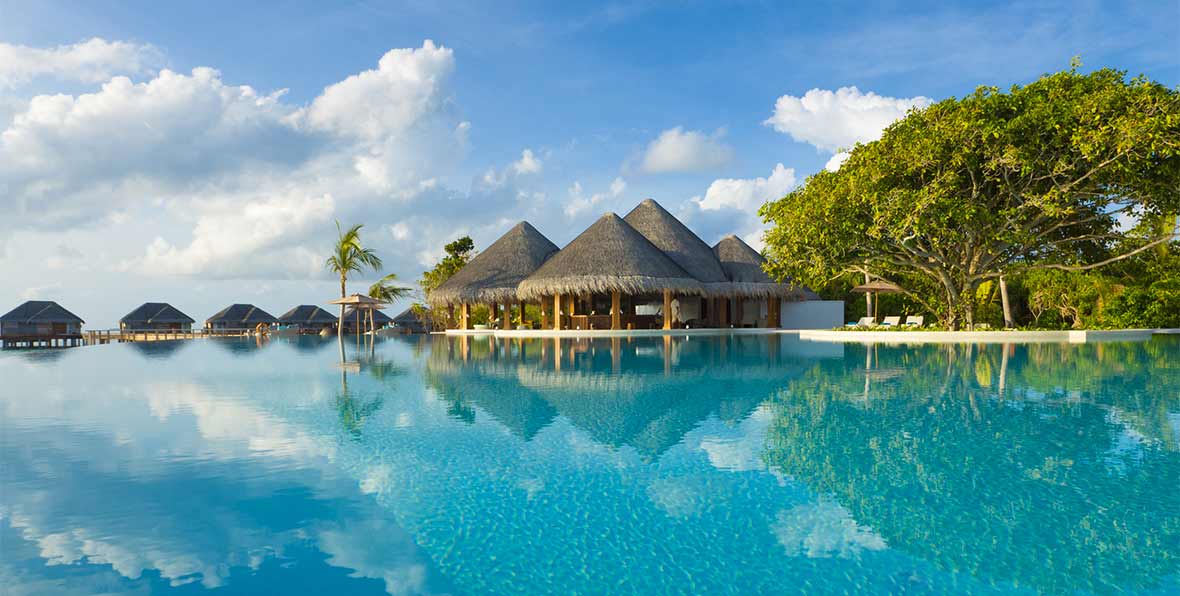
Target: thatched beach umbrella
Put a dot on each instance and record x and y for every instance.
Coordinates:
(680, 244)
(877, 287)
(359, 302)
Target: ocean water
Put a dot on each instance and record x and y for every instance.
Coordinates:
(690, 465)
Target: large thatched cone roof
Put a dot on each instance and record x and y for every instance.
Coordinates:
(610, 255)
(492, 276)
(743, 267)
(680, 244)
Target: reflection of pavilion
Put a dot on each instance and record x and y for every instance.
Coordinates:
(645, 393)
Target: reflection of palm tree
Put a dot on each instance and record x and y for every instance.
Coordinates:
(354, 413)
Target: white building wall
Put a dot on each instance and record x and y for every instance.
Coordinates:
(812, 314)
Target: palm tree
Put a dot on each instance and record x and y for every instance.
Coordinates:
(385, 291)
(349, 256)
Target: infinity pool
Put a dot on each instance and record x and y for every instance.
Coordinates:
(699, 465)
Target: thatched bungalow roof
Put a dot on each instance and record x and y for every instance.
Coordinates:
(245, 315)
(379, 318)
(40, 311)
(307, 314)
(680, 244)
(609, 256)
(743, 266)
(494, 274)
(151, 313)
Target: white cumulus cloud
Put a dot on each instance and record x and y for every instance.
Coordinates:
(836, 120)
(730, 205)
(678, 150)
(527, 164)
(89, 61)
(579, 203)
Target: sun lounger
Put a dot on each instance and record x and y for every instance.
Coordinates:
(863, 322)
(915, 321)
(891, 322)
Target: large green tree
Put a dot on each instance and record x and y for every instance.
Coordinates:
(995, 183)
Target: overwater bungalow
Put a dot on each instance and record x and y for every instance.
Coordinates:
(239, 317)
(40, 323)
(309, 318)
(609, 277)
(156, 316)
(407, 321)
(352, 319)
(493, 276)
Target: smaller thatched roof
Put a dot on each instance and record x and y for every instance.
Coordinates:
(680, 244)
(246, 315)
(307, 314)
(358, 299)
(743, 267)
(609, 256)
(878, 286)
(151, 313)
(494, 274)
(40, 311)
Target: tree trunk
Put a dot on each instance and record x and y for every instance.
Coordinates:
(1008, 322)
(340, 321)
(868, 299)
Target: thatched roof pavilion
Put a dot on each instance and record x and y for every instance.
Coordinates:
(239, 316)
(156, 315)
(610, 256)
(680, 244)
(494, 274)
(743, 267)
(308, 316)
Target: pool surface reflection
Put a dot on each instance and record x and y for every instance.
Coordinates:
(743, 464)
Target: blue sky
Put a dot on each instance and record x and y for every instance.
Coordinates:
(178, 185)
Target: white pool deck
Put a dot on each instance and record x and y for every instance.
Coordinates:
(1083, 336)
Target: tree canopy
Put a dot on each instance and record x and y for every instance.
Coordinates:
(1044, 176)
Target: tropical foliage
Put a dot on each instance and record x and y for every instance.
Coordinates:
(350, 256)
(385, 289)
(457, 254)
(954, 196)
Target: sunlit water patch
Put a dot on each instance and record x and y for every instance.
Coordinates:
(701, 465)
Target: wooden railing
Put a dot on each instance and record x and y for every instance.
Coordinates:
(106, 336)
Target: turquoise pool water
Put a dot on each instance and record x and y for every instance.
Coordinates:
(702, 465)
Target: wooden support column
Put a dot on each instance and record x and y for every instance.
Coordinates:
(494, 310)
(506, 322)
(667, 309)
(557, 313)
(615, 311)
(464, 316)
(520, 307)
(544, 314)
(773, 304)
